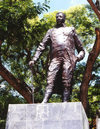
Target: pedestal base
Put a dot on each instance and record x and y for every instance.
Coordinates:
(98, 123)
(47, 116)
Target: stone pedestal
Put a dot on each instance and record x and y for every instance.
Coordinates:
(98, 123)
(47, 116)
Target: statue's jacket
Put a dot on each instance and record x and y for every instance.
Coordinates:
(63, 41)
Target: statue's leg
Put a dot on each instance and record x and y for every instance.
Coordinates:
(52, 72)
(66, 79)
(47, 96)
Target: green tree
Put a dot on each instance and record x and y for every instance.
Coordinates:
(17, 37)
(20, 37)
(94, 53)
(7, 96)
(85, 28)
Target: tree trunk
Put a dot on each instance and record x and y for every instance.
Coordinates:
(21, 87)
(97, 12)
(88, 72)
(0, 49)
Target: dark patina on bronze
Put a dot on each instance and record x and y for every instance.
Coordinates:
(63, 41)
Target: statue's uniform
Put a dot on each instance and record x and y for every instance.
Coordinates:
(63, 41)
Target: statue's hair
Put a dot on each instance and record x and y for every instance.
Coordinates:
(63, 14)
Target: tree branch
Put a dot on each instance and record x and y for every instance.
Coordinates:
(88, 71)
(21, 87)
(0, 42)
(0, 49)
(94, 8)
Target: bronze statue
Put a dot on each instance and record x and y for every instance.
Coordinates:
(63, 41)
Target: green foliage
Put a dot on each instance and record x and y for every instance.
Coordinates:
(7, 97)
(17, 34)
(19, 38)
(21, 32)
(85, 21)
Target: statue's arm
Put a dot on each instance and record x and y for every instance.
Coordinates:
(79, 47)
(41, 48)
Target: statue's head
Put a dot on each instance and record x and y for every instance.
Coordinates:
(60, 18)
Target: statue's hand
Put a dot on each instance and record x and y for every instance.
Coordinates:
(31, 63)
(75, 59)
(78, 58)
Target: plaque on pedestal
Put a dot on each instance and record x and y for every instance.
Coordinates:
(47, 116)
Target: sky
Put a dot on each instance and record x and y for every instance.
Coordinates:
(61, 4)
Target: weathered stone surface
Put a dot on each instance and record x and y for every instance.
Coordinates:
(47, 116)
(98, 123)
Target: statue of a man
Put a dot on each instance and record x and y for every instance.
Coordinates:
(63, 41)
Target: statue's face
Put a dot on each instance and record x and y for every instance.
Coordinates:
(60, 18)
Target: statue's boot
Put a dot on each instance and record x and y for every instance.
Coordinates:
(47, 96)
(66, 95)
